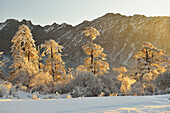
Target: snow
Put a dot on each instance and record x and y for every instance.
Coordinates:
(69, 43)
(63, 25)
(2, 26)
(119, 52)
(66, 34)
(49, 29)
(129, 55)
(123, 104)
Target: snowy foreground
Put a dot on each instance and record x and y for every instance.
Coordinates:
(115, 104)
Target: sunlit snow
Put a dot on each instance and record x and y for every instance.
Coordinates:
(115, 104)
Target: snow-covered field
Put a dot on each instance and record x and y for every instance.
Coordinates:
(115, 104)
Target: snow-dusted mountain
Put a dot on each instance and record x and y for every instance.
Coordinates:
(120, 36)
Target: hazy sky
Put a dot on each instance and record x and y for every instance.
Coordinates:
(75, 11)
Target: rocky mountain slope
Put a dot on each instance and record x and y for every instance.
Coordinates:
(120, 36)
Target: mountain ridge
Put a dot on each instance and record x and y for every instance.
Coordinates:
(121, 36)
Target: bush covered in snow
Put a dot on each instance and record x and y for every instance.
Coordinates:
(87, 84)
(2, 75)
(3, 91)
(43, 89)
(24, 88)
(109, 84)
(163, 81)
(69, 97)
(34, 97)
(5, 84)
(62, 87)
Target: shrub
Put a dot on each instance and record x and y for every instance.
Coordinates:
(62, 87)
(86, 84)
(34, 97)
(12, 90)
(69, 97)
(109, 85)
(5, 84)
(163, 81)
(3, 91)
(23, 88)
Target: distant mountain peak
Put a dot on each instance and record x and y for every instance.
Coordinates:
(11, 20)
(112, 15)
(54, 24)
(27, 22)
(108, 14)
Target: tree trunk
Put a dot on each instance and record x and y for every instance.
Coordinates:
(53, 72)
(39, 56)
(29, 56)
(147, 58)
(92, 61)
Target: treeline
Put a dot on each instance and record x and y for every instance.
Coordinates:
(42, 69)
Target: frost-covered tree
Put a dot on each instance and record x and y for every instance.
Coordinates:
(2, 75)
(1, 63)
(125, 79)
(24, 53)
(24, 42)
(40, 58)
(95, 62)
(70, 74)
(150, 63)
(25, 74)
(54, 63)
(41, 79)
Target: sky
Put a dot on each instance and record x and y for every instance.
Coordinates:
(46, 12)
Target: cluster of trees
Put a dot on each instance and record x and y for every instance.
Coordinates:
(42, 67)
(151, 62)
(27, 67)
